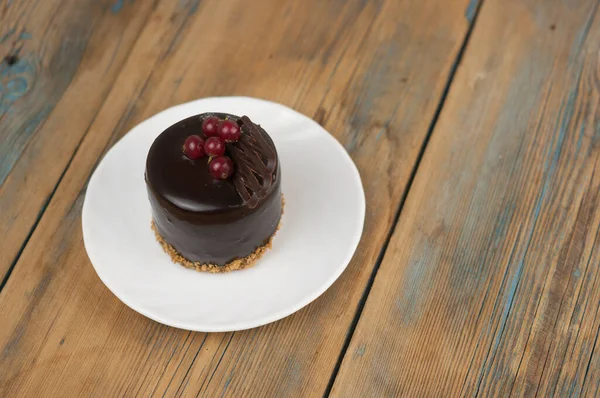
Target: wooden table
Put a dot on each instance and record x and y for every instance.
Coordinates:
(476, 129)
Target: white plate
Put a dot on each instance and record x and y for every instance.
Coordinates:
(321, 227)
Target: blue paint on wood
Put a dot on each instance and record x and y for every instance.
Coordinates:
(13, 343)
(417, 278)
(506, 120)
(118, 6)
(33, 123)
(351, 145)
(360, 351)
(503, 222)
(550, 167)
(565, 115)
(7, 35)
(583, 33)
(227, 382)
(194, 6)
(177, 83)
(501, 227)
(572, 392)
(374, 86)
(487, 366)
(15, 82)
(16, 88)
(293, 369)
(471, 10)
(9, 157)
(24, 35)
(581, 135)
(21, 66)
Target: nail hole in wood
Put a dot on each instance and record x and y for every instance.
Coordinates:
(11, 59)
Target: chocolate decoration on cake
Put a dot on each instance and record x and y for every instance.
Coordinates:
(212, 222)
(256, 162)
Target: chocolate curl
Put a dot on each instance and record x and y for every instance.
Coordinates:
(255, 161)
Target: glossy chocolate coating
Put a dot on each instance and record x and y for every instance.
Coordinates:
(204, 219)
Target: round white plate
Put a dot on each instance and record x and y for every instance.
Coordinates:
(321, 227)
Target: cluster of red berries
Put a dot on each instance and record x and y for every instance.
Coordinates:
(217, 133)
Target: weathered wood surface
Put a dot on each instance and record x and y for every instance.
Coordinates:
(58, 61)
(490, 284)
(372, 72)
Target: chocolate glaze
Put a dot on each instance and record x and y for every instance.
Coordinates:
(210, 221)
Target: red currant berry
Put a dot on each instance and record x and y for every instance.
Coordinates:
(221, 167)
(210, 126)
(214, 147)
(229, 131)
(193, 147)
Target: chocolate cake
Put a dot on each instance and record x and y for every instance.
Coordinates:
(214, 184)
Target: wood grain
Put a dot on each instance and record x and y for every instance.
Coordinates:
(490, 284)
(58, 61)
(371, 72)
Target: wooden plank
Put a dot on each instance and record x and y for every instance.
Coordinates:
(371, 72)
(26, 368)
(58, 60)
(490, 284)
